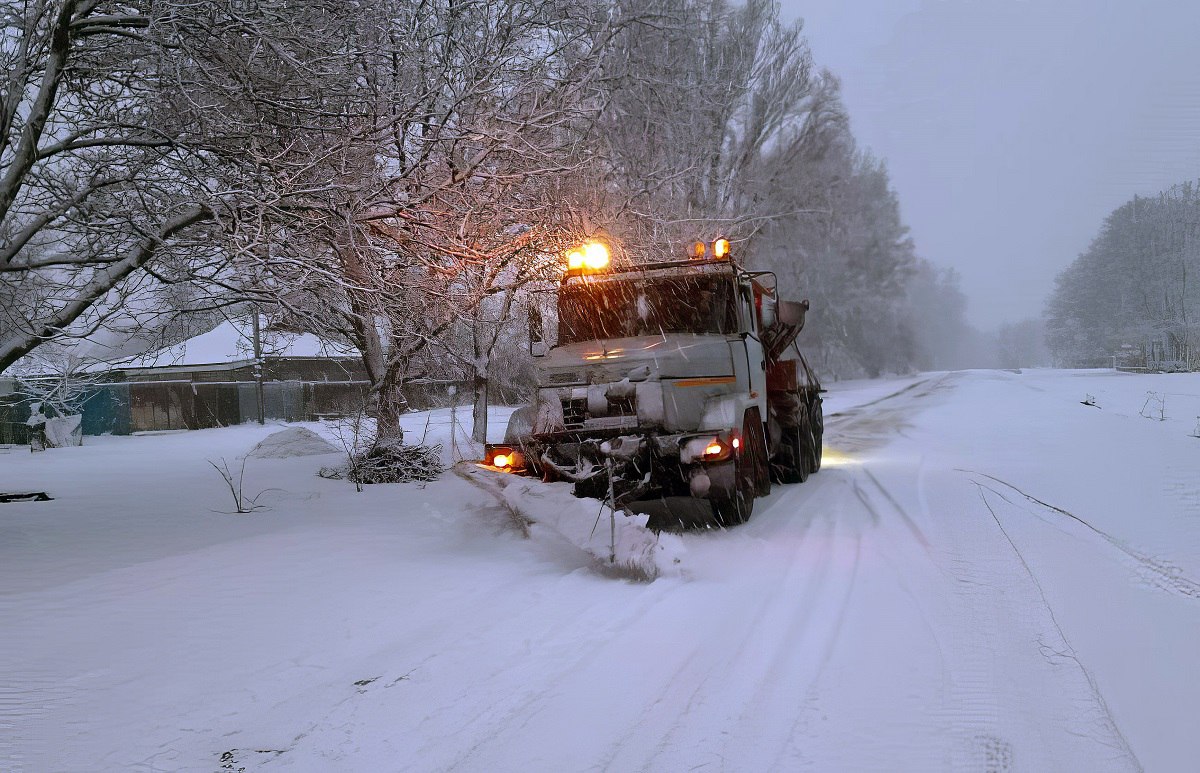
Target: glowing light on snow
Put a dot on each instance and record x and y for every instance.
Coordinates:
(831, 457)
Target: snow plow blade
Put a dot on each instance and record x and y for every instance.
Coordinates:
(621, 543)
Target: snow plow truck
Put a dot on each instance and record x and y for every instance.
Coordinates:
(667, 381)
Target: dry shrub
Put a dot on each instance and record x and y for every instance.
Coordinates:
(391, 463)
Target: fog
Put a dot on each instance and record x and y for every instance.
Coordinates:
(1011, 129)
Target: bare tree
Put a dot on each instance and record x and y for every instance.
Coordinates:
(95, 182)
(56, 379)
(398, 159)
(710, 108)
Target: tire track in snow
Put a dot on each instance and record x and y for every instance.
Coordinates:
(969, 704)
(512, 713)
(514, 716)
(712, 658)
(787, 750)
(970, 681)
(788, 694)
(918, 535)
(1160, 573)
(976, 701)
(814, 629)
(885, 398)
(741, 675)
(738, 672)
(915, 560)
(869, 425)
(918, 390)
(1068, 650)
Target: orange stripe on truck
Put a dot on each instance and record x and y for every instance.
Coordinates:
(707, 381)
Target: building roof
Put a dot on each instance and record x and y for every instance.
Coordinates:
(232, 341)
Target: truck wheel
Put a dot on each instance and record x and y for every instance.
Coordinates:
(752, 471)
(793, 463)
(803, 446)
(735, 510)
(816, 423)
(757, 457)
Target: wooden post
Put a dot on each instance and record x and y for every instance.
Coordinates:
(258, 370)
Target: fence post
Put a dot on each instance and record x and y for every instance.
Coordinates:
(452, 390)
(258, 369)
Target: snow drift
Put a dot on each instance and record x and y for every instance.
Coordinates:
(293, 441)
(620, 542)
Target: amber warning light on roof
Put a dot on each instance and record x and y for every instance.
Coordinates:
(718, 250)
(588, 258)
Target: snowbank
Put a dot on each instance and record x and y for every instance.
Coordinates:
(619, 542)
(293, 441)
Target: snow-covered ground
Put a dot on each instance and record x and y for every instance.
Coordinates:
(987, 575)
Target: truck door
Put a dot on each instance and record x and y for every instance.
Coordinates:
(752, 297)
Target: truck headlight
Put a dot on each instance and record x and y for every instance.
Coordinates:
(505, 458)
(717, 451)
(707, 448)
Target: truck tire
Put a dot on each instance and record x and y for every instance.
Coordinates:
(816, 423)
(754, 434)
(733, 511)
(752, 472)
(794, 461)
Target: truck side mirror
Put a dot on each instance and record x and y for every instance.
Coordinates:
(767, 310)
(792, 314)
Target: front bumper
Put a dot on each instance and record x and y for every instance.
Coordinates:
(630, 467)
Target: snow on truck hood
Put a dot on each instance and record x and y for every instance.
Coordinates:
(640, 358)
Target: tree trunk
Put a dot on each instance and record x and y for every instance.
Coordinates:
(392, 405)
(479, 412)
(386, 381)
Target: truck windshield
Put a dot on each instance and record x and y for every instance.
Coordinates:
(635, 307)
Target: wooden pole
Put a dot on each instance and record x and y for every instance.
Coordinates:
(258, 370)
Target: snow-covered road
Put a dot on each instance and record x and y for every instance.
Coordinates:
(987, 575)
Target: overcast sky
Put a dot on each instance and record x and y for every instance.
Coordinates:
(1012, 127)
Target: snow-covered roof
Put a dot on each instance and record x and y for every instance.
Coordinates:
(233, 341)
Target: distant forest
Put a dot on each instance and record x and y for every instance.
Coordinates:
(1134, 295)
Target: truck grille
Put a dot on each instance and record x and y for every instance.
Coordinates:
(574, 413)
